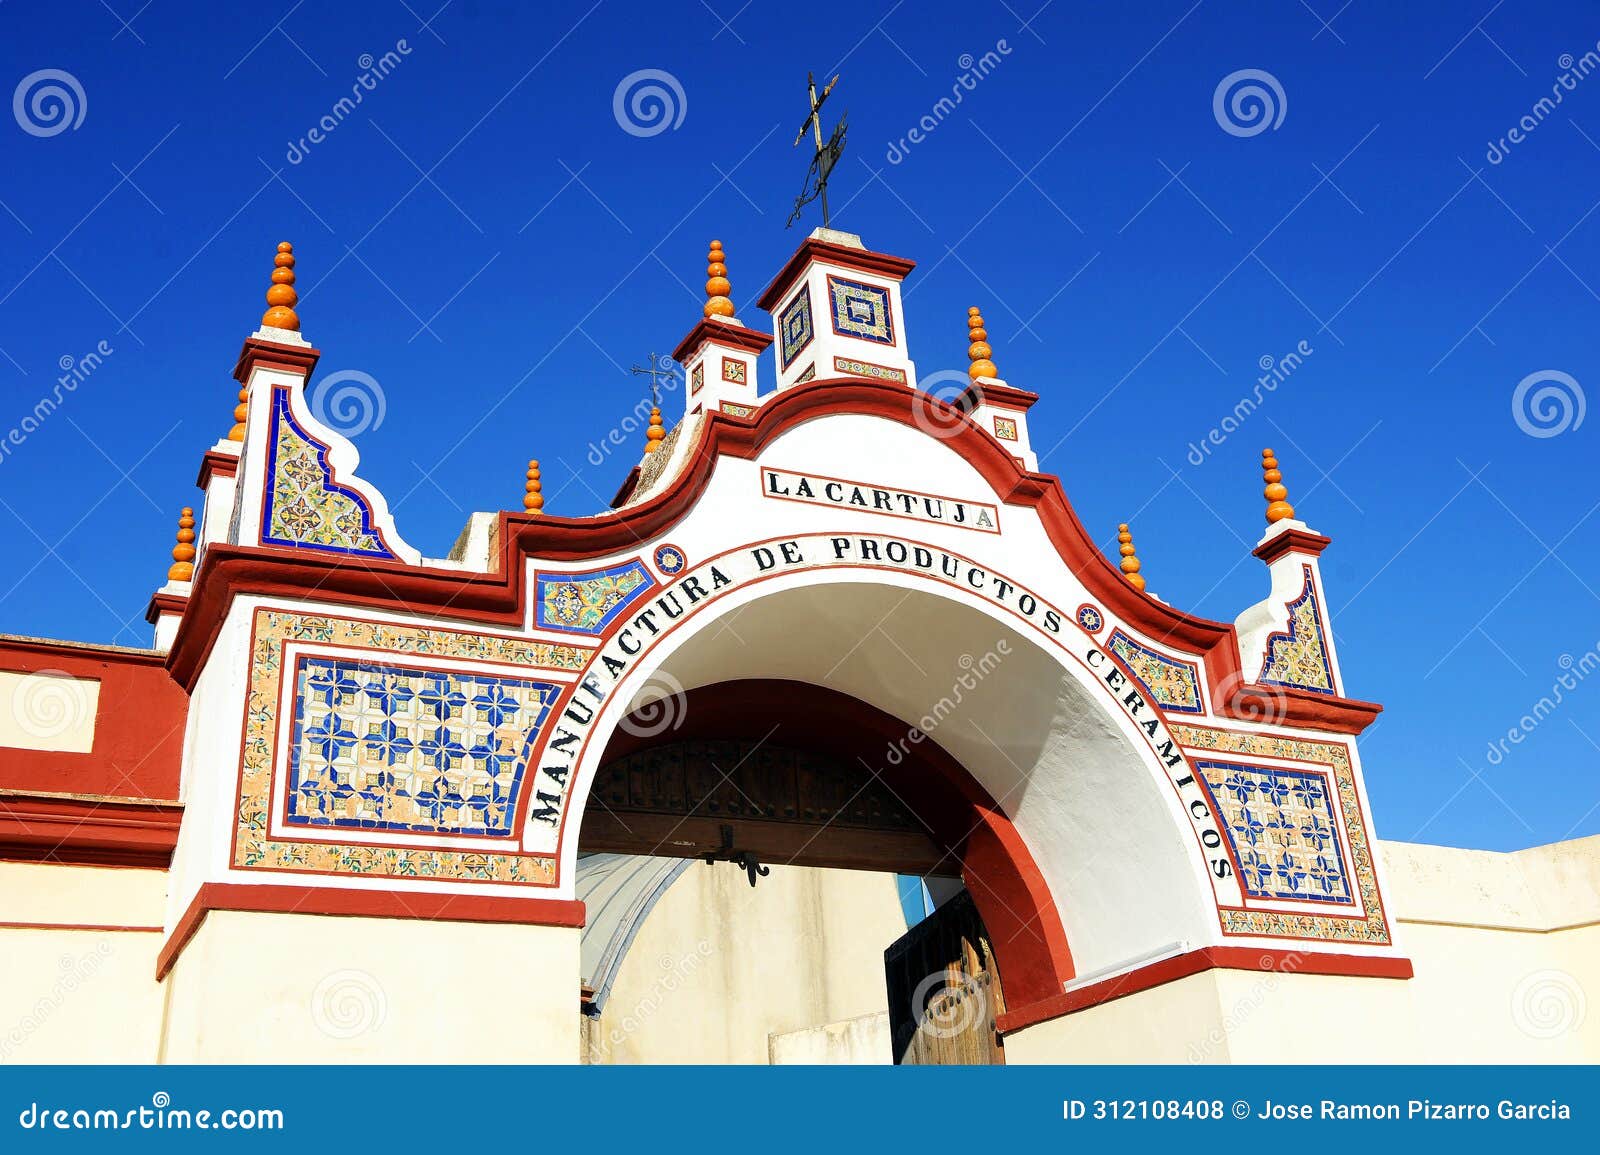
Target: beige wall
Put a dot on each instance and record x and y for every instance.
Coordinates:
(276, 988)
(71, 995)
(719, 966)
(1506, 949)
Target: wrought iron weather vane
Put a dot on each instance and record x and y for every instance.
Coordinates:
(826, 155)
(656, 373)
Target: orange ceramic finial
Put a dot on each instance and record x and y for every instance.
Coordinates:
(1130, 563)
(978, 352)
(655, 433)
(533, 499)
(718, 303)
(281, 296)
(1278, 507)
(240, 412)
(182, 568)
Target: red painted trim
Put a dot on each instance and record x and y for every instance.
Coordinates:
(751, 341)
(258, 354)
(1271, 959)
(138, 730)
(217, 464)
(824, 252)
(161, 603)
(1292, 541)
(88, 831)
(79, 926)
(991, 393)
(625, 490)
(497, 598)
(1025, 928)
(271, 898)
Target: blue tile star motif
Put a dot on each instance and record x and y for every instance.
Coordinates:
(1281, 827)
(387, 747)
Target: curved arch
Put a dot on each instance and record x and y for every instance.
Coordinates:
(980, 840)
(499, 596)
(1052, 747)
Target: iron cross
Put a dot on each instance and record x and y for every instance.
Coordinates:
(655, 373)
(826, 155)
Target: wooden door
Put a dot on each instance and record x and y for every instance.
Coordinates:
(944, 989)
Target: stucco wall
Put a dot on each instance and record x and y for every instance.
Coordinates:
(79, 995)
(1506, 949)
(282, 988)
(718, 966)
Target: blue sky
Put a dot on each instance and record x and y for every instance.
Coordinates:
(486, 240)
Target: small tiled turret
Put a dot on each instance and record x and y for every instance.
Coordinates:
(720, 357)
(836, 312)
(999, 410)
(1287, 640)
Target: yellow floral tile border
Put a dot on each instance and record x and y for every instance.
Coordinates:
(255, 849)
(1372, 928)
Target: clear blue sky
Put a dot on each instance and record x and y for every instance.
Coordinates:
(1136, 263)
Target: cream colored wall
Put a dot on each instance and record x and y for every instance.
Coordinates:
(718, 967)
(862, 1041)
(1506, 949)
(277, 988)
(71, 995)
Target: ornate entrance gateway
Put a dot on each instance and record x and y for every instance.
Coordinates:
(835, 623)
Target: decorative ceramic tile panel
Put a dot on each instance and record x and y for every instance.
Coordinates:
(861, 311)
(867, 369)
(304, 508)
(1281, 826)
(794, 327)
(806, 374)
(267, 749)
(586, 603)
(1090, 618)
(1368, 925)
(1005, 428)
(1171, 684)
(380, 746)
(737, 410)
(670, 560)
(697, 379)
(1298, 656)
(733, 370)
